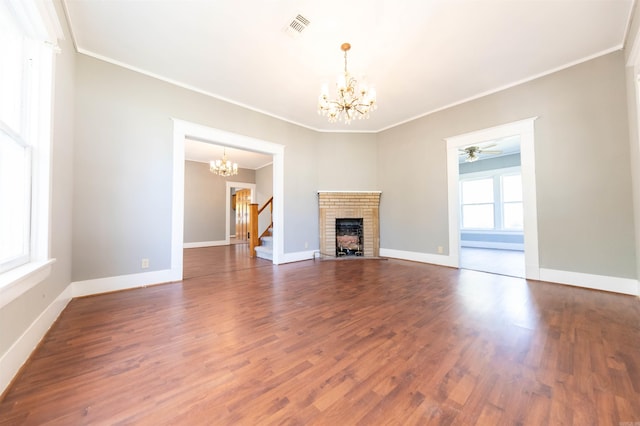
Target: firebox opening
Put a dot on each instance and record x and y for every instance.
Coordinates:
(349, 237)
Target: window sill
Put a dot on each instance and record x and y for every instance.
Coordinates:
(19, 280)
(492, 231)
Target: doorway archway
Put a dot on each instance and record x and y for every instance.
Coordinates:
(525, 129)
(182, 130)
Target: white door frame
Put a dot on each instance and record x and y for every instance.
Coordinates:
(524, 128)
(182, 130)
(633, 62)
(230, 186)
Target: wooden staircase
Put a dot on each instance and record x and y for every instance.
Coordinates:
(261, 245)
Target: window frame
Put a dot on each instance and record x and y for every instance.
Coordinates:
(503, 203)
(498, 199)
(491, 203)
(28, 242)
(40, 29)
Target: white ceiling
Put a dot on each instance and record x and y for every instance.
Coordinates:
(421, 55)
(498, 148)
(204, 152)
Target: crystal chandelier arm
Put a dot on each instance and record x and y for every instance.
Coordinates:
(350, 102)
(223, 167)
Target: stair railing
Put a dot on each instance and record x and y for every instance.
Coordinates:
(254, 214)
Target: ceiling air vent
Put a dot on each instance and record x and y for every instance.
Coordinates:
(297, 26)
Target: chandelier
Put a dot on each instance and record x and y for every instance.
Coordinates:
(223, 167)
(352, 101)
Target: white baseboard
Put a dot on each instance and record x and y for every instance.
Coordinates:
(297, 256)
(436, 259)
(596, 282)
(492, 245)
(20, 351)
(122, 282)
(206, 244)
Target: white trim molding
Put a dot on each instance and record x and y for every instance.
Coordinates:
(524, 128)
(122, 282)
(184, 129)
(576, 279)
(12, 360)
(435, 259)
(298, 256)
(595, 282)
(206, 244)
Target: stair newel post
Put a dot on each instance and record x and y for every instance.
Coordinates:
(253, 232)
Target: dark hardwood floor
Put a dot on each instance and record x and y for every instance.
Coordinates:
(358, 342)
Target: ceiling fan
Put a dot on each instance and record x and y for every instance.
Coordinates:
(473, 152)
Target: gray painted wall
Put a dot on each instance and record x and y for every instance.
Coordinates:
(205, 201)
(17, 316)
(634, 139)
(123, 144)
(347, 162)
(123, 165)
(585, 212)
(300, 200)
(634, 157)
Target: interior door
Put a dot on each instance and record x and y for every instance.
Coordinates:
(243, 201)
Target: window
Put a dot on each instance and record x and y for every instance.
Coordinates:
(478, 204)
(25, 110)
(492, 201)
(15, 191)
(512, 212)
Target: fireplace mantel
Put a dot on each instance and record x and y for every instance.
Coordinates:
(349, 204)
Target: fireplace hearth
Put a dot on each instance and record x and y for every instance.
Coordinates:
(349, 206)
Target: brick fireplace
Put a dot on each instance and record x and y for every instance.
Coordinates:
(363, 205)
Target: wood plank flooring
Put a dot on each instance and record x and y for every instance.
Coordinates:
(356, 342)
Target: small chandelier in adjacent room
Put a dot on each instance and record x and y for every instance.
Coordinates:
(223, 167)
(351, 102)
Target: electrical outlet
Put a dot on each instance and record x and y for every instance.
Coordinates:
(440, 249)
(306, 244)
(144, 264)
